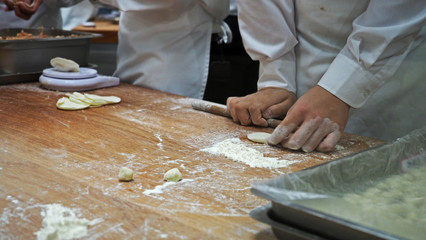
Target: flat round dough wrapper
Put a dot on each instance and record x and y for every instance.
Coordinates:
(259, 137)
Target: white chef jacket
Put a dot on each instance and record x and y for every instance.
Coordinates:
(78, 14)
(357, 50)
(47, 15)
(165, 45)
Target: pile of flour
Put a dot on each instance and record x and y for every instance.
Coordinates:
(234, 149)
(60, 222)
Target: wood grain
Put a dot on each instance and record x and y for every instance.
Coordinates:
(73, 158)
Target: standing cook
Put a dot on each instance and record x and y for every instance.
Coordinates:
(33, 14)
(359, 64)
(165, 44)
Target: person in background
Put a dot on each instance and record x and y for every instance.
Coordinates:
(78, 14)
(231, 72)
(33, 14)
(165, 45)
(328, 65)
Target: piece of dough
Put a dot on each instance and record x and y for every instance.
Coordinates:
(125, 174)
(65, 103)
(259, 137)
(77, 101)
(173, 175)
(64, 65)
(102, 99)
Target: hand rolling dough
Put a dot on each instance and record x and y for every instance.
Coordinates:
(259, 137)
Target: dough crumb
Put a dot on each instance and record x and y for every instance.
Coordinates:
(259, 137)
(173, 175)
(125, 174)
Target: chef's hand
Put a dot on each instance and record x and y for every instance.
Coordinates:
(23, 8)
(256, 108)
(315, 121)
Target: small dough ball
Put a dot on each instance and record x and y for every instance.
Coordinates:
(125, 174)
(173, 175)
(259, 137)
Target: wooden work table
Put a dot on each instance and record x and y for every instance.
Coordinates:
(72, 158)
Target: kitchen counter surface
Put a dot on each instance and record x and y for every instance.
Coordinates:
(50, 156)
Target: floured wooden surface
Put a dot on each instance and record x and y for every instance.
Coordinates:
(49, 156)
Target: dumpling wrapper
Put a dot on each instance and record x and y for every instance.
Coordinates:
(64, 65)
(259, 137)
(77, 101)
(65, 103)
(103, 99)
(78, 97)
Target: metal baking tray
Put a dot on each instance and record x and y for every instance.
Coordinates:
(312, 200)
(20, 60)
(282, 230)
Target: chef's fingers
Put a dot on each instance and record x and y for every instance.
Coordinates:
(303, 134)
(21, 14)
(238, 112)
(231, 109)
(244, 117)
(9, 5)
(329, 143)
(324, 129)
(278, 110)
(281, 133)
(28, 7)
(256, 117)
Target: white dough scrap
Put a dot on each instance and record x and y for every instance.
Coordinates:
(64, 65)
(102, 99)
(125, 174)
(76, 101)
(65, 103)
(173, 175)
(259, 137)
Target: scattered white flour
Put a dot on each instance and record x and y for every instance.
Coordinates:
(159, 189)
(339, 148)
(60, 222)
(234, 149)
(160, 144)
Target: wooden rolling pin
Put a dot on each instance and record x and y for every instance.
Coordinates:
(220, 109)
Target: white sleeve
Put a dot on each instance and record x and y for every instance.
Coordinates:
(273, 49)
(381, 38)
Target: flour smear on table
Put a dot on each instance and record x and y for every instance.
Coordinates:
(235, 149)
(60, 222)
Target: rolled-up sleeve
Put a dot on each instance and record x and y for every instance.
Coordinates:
(381, 38)
(273, 49)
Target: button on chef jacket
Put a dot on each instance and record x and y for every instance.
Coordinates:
(48, 15)
(370, 54)
(165, 45)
